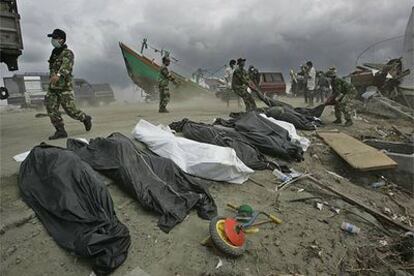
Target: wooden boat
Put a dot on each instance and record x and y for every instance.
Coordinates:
(144, 72)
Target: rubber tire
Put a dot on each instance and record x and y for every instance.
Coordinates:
(4, 93)
(232, 251)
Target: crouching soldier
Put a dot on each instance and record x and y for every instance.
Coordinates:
(164, 81)
(60, 91)
(344, 93)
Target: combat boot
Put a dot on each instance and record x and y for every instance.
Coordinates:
(348, 123)
(163, 110)
(87, 121)
(337, 121)
(60, 133)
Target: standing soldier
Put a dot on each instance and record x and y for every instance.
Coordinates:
(254, 75)
(164, 81)
(240, 84)
(344, 93)
(322, 87)
(301, 78)
(60, 91)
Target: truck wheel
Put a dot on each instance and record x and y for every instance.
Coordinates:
(4, 93)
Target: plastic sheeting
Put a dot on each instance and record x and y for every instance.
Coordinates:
(156, 182)
(268, 137)
(199, 159)
(302, 141)
(300, 117)
(74, 206)
(289, 115)
(209, 134)
(313, 112)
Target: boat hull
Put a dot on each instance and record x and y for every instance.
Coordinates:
(144, 72)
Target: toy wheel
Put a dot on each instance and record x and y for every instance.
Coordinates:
(220, 240)
(4, 93)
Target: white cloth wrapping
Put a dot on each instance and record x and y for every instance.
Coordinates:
(300, 140)
(199, 159)
(21, 156)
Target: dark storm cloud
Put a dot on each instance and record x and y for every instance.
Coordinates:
(274, 35)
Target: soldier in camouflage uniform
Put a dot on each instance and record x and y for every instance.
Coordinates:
(254, 75)
(164, 80)
(60, 91)
(240, 83)
(344, 93)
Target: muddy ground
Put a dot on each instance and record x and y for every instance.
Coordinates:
(309, 242)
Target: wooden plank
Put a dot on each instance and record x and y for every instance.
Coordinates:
(357, 154)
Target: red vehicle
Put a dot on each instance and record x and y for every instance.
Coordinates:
(272, 83)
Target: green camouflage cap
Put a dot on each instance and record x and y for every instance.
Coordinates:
(331, 72)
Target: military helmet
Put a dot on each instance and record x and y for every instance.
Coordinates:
(165, 59)
(240, 60)
(331, 72)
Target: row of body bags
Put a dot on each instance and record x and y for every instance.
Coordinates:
(64, 189)
(70, 197)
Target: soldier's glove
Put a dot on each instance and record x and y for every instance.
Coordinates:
(54, 79)
(252, 86)
(339, 98)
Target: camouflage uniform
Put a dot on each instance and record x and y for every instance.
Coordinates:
(254, 75)
(346, 92)
(239, 85)
(323, 88)
(164, 80)
(61, 62)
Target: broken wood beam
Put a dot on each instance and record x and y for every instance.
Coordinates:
(367, 209)
(390, 106)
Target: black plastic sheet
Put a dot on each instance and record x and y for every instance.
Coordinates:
(156, 182)
(205, 133)
(74, 206)
(286, 114)
(268, 137)
(301, 117)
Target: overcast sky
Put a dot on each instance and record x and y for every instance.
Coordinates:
(273, 35)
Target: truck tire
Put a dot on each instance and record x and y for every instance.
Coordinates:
(4, 93)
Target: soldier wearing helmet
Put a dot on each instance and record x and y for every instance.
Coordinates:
(240, 83)
(164, 80)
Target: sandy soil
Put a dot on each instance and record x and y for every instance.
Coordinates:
(309, 241)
